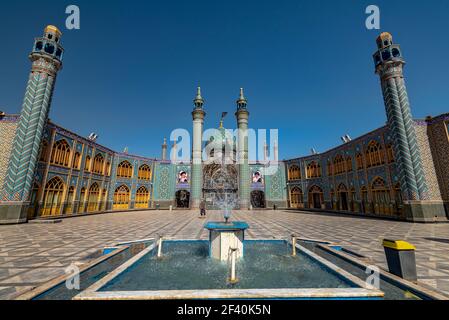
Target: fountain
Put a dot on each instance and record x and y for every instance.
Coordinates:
(226, 235)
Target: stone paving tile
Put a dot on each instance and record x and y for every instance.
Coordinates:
(34, 276)
(8, 272)
(31, 254)
(11, 292)
(30, 261)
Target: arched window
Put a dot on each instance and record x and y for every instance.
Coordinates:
(348, 164)
(125, 170)
(339, 164)
(144, 172)
(313, 170)
(60, 154)
(316, 198)
(364, 194)
(87, 164)
(93, 198)
(359, 161)
(70, 198)
(381, 195)
(71, 194)
(330, 168)
(82, 202)
(296, 198)
(83, 195)
(294, 173)
(343, 197)
(352, 199)
(142, 197)
(390, 154)
(107, 170)
(98, 164)
(378, 183)
(44, 151)
(121, 198)
(76, 161)
(54, 190)
(103, 199)
(374, 154)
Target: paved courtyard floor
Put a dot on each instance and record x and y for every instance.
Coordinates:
(31, 254)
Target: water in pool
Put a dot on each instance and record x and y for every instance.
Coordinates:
(186, 265)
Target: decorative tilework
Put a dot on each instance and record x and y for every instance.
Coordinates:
(164, 182)
(7, 132)
(427, 162)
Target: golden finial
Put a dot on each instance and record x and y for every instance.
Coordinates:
(385, 39)
(53, 29)
(385, 35)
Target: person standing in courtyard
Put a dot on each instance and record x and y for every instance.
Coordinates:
(203, 208)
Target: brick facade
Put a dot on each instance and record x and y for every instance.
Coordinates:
(439, 145)
(427, 161)
(7, 131)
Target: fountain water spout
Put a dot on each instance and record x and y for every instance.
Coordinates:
(227, 216)
(293, 245)
(233, 279)
(159, 247)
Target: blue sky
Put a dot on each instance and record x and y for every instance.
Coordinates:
(131, 71)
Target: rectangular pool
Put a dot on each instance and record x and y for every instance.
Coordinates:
(268, 270)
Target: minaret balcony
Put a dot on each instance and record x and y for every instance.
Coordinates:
(390, 53)
(48, 47)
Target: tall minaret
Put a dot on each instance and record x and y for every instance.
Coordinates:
(164, 149)
(198, 115)
(46, 59)
(242, 116)
(389, 66)
(265, 151)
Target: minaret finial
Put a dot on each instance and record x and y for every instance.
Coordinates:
(223, 115)
(241, 102)
(199, 101)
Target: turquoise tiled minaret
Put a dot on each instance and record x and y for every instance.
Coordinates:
(46, 58)
(242, 116)
(389, 66)
(198, 115)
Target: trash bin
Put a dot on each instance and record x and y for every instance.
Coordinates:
(157, 206)
(401, 258)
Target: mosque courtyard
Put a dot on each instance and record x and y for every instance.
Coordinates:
(33, 253)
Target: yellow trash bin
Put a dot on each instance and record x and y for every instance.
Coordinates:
(401, 258)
